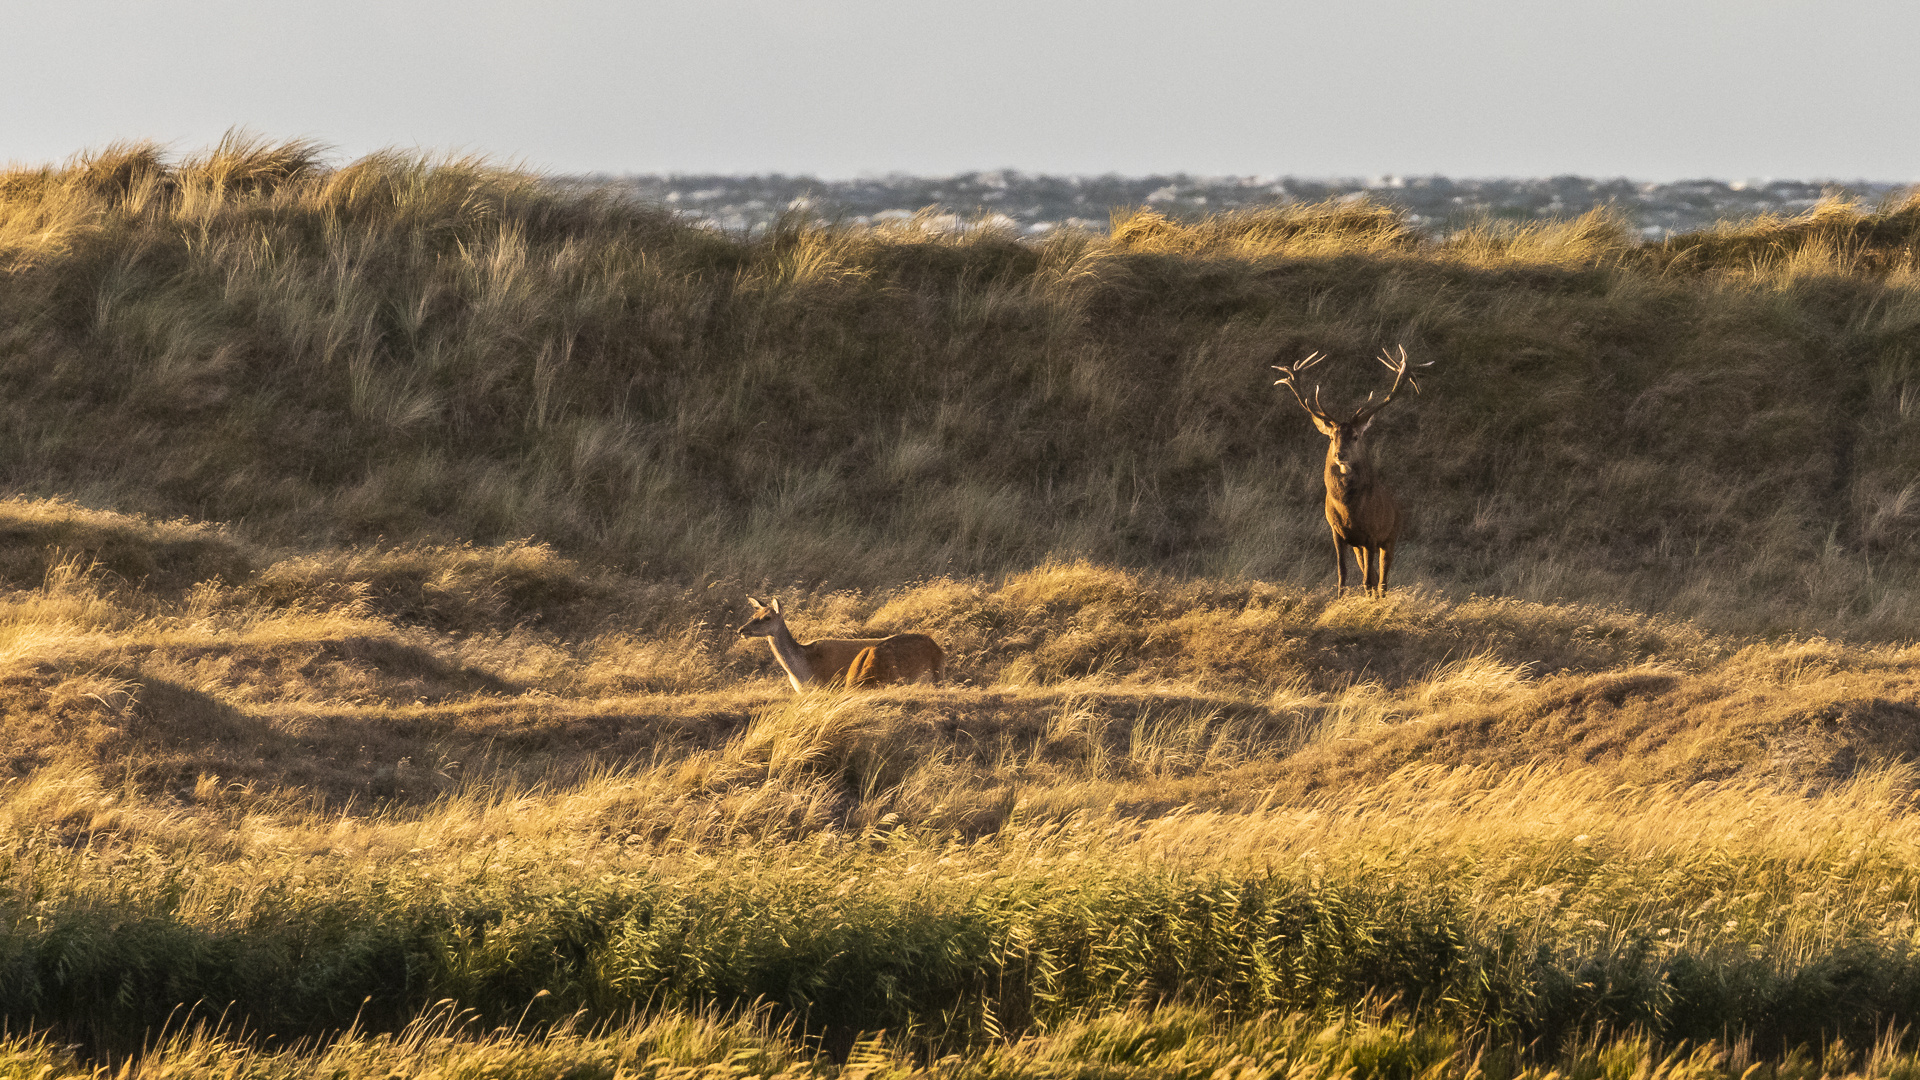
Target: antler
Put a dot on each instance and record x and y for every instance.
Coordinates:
(1286, 379)
(1400, 372)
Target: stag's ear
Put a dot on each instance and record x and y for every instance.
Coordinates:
(1364, 425)
(1327, 427)
(774, 605)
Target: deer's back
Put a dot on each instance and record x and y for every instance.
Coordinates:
(900, 658)
(829, 657)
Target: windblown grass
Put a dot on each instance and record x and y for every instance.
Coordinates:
(1169, 1042)
(323, 794)
(1835, 238)
(372, 701)
(436, 350)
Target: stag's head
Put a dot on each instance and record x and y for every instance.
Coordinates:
(766, 619)
(1347, 447)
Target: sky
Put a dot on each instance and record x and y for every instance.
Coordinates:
(1646, 89)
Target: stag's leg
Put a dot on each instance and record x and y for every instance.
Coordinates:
(1386, 564)
(1362, 557)
(1340, 560)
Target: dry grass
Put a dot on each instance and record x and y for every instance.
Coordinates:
(1836, 238)
(369, 640)
(435, 350)
(1167, 1042)
(407, 672)
(350, 755)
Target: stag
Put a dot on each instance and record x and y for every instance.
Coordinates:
(1360, 509)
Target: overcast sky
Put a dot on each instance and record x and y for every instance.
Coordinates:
(1649, 89)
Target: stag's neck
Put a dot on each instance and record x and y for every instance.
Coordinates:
(791, 656)
(1355, 481)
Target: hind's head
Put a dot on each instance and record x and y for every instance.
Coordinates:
(767, 620)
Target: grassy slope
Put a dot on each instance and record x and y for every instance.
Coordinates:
(357, 782)
(310, 676)
(277, 762)
(410, 349)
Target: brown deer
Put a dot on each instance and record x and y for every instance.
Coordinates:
(826, 662)
(1360, 509)
(900, 658)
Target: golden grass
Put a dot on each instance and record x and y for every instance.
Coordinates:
(1836, 238)
(420, 350)
(248, 750)
(409, 672)
(1168, 1042)
(1636, 740)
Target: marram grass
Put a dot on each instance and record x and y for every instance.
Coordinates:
(281, 815)
(372, 701)
(1466, 905)
(441, 349)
